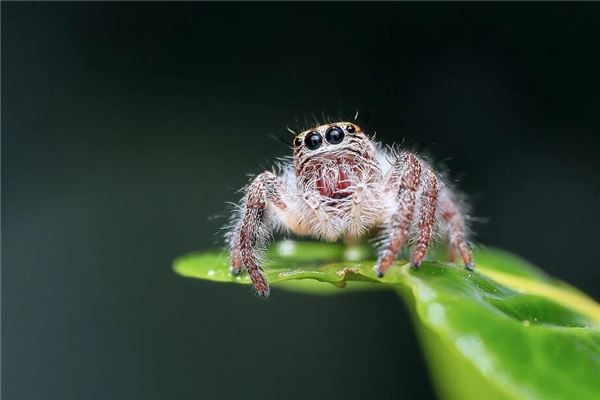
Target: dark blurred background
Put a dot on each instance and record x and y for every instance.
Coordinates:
(126, 128)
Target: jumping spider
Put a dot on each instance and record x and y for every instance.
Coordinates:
(343, 184)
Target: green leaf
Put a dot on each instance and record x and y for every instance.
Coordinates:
(505, 331)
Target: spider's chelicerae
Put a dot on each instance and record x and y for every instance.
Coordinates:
(342, 184)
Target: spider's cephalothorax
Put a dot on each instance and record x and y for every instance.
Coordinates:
(342, 184)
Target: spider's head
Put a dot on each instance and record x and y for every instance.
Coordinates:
(329, 154)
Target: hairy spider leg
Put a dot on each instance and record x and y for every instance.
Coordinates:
(428, 204)
(250, 232)
(405, 177)
(455, 232)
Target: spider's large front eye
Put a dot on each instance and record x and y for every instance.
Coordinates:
(334, 135)
(313, 140)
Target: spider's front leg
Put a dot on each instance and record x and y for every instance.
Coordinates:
(254, 228)
(404, 181)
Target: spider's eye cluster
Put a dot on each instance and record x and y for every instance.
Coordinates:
(334, 135)
(313, 140)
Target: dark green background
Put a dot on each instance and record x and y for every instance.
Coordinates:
(126, 128)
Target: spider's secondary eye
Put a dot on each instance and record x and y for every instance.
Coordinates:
(350, 128)
(334, 135)
(313, 140)
(297, 142)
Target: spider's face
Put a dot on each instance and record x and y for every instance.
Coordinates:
(331, 158)
(328, 141)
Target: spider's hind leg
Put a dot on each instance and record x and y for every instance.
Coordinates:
(455, 228)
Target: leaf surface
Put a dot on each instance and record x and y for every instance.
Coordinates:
(507, 330)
